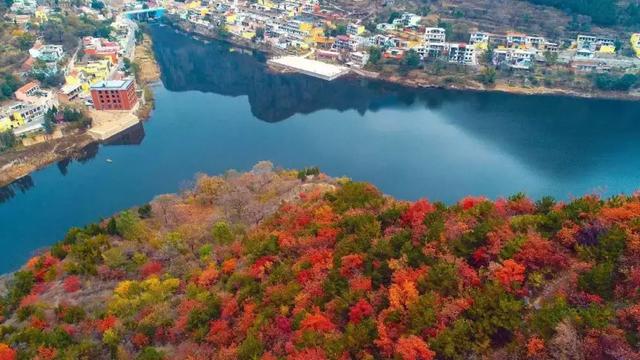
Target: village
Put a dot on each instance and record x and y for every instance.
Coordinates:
(330, 35)
(96, 91)
(87, 85)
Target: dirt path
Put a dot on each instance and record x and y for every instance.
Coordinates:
(148, 68)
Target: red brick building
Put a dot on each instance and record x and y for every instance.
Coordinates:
(114, 95)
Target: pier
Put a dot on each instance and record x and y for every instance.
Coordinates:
(107, 124)
(309, 67)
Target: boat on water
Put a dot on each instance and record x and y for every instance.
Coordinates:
(109, 160)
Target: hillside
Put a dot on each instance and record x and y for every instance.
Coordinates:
(553, 18)
(275, 264)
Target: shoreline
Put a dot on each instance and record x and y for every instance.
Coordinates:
(19, 163)
(407, 81)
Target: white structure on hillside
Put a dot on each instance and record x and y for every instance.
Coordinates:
(435, 35)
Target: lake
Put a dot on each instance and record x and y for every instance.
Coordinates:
(218, 108)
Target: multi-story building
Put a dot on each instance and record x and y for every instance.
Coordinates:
(435, 35)
(407, 20)
(480, 40)
(433, 50)
(516, 39)
(537, 42)
(27, 114)
(114, 95)
(594, 43)
(358, 59)
(514, 57)
(344, 43)
(48, 53)
(355, 29)
(463, 54)
(28, 92)
(102, 48)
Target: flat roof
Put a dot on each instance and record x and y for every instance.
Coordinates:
(311, 67)
(112, 85)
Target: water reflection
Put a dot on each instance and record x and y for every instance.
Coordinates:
(558, 137)
(21, 185)
(131, 136)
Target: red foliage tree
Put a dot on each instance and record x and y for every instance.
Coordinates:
(46, 353)
(538, 253)
(317, 322)
(535, 346)
(71, 284)
(413, 348)
(510, 273)
(471, 201)
(208, 277)
(7, 353)
(351, 264)
(362, 309)
(220, 333)
(140, 340)
(106, 323)
(151, 268)
(414, 216)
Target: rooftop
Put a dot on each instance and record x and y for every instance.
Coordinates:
(112, 85)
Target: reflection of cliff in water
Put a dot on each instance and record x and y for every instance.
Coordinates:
(21, 185)
(557, 136)
(132, 136)
(560, 136)
(188, 64)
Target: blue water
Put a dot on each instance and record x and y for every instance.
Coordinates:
(219, 109)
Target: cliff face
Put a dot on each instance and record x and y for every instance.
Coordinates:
(275, 264)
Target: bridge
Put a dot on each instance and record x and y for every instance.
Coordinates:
(145, 14)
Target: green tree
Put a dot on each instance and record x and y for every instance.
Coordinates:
(7, 140)
(411, 59)
(260, 33)
(26, 41)
(487, 76)
(375, 55)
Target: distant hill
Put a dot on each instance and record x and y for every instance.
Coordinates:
(275, 264)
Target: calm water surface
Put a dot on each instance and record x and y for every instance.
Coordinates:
(217, 109)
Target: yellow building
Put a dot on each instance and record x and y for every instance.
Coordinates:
(306, 26)
(607, 49)
(358, 29)
(40, 16)
(231, 18)
(635, 43)
(248, 35)
(193, 5)
(5, 124)
(267, 3)
(11, 122)
(89, 74)
(316, 36)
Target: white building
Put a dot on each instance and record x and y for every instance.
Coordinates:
(479, 38)
(358, 59)
(463, 54)
(407, 20)
(48, 53)
(435, 34)
(537, 42)
(514, 58)
(433, 50)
